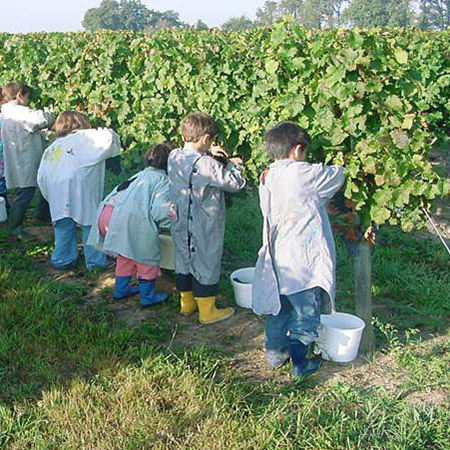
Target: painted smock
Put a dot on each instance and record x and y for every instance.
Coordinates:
(197, 190)
(72, 173)
(302, 253)
(139, 211)
(23, 144)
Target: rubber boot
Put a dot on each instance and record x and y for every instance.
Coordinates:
(302, 366)
(188, 303)
(148, 293)
(208, 313)
(124, 288)
(16, 218)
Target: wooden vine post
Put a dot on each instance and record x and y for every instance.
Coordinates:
(363, 293)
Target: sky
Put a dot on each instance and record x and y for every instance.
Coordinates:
(24, 16)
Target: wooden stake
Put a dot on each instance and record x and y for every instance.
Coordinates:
(363, 294)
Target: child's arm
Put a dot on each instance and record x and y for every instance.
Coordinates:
(38, 120)
(104, 141)
(227, 178)
(329, 179)
(160, 207)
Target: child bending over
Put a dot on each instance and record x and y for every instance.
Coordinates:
(295, 273)
(128, 222)
(198, 183)
(71, 177)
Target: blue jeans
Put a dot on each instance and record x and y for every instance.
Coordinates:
(300, 317)
(65, 253)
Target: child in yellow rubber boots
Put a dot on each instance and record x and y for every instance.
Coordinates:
(294, 278)
(198, 183)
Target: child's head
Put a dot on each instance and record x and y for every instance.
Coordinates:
(199, 128)
(17, 92)
(157, 156)
(71, 121)
(287, 141)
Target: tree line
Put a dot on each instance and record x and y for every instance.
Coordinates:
(425, 14)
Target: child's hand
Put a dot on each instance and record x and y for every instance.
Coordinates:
(370, 236)
(217, 150)
(237, 161)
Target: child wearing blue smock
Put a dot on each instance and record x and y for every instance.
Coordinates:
(127, 227)
(295, 273)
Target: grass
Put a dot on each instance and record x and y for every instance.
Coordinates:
(74, 377)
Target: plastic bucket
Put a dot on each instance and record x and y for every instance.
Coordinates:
(3, 214)
(340, 336)
(242, 280)
(167, 252)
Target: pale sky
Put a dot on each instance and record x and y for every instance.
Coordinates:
(24, 16)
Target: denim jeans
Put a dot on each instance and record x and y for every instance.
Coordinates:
(65, 253)
(298, 319)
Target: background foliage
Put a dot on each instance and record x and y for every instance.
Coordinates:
(372, 100)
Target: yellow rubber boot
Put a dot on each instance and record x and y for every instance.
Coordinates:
(209, 313)
(188, 303)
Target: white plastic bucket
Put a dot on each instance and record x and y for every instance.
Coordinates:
(242, 280)
(340, 336)
(3, 214)
(167, 252)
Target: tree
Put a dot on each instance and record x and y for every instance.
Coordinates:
(268, 14)
(106, 16)
(238, 24)
(128, 15)
(434, 14)
(379, 13)
(310, 13)
(201, 26)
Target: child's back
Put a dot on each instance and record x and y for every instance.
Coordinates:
(292, 197)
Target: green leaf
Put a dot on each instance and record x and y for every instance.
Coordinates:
(379, 214)
(394, 102)
(401, 56)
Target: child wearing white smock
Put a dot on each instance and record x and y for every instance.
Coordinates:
(23, 146)
(295, 273)
(71, 177)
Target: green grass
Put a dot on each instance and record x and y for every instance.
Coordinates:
(74, 377)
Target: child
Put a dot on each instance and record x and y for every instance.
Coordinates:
(3, 191)
(23, 146)
(128, 221)
(197, 186)
(295, 274)
(71, 177)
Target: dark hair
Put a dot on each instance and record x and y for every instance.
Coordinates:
(157, 156)
(282, 138)
(196, 125)
(10, 91)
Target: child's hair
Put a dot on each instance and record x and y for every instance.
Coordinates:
(71, 121)
(157, 156)
(196, 125)
(282, 138)
(10, 91)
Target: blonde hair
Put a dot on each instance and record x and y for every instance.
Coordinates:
(71, 121)
(195, 125)
(11, 90)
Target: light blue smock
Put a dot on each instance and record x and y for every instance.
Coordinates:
(298, 251)
(138, 213)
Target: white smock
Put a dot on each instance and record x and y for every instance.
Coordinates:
(301, 253)
(72, 173)
(23, 144)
